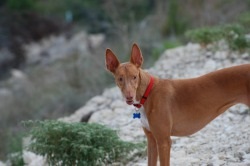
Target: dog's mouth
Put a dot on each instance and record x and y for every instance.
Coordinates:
(129, 102)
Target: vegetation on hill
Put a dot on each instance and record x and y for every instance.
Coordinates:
(79, 143)
(234, 34)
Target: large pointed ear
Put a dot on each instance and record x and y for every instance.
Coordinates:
(112, 62)
(136, 56)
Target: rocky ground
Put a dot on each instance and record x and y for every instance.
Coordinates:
(225, 141)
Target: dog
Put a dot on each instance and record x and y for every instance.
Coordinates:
(178, 107)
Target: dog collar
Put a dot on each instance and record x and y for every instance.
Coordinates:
(145, 96)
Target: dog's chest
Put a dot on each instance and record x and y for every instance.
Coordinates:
(144, 119)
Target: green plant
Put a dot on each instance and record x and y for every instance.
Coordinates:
(235, 37)
(166, 45)
(205, 35)
(244, 19)
(21, 5)
(171, 44)
(16, 159)
(175, 22)
(15, 141)
(234, 34)
(77, 143)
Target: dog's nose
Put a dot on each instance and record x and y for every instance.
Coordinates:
(129, 98)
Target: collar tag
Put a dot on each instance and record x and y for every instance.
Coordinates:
(136, 115)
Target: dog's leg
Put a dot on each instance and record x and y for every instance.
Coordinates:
(164, 146)
(152, 148)
(161, 130)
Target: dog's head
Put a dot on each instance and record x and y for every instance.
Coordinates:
(126, 74)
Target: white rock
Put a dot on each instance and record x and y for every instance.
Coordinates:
(210, 65)
(97, 100)
(31, 159)
(106, 115)
(221, 55)
(118, 104)
(2, 164)
(96, 40)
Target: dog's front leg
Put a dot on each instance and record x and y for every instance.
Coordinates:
(164, 146)
(161, 130)
(152, 148)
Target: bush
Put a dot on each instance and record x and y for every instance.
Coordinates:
(16, 159)
(204, 35)
(235, 37)
(77, 143)
(234, 34)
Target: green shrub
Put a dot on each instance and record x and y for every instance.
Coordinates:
(234, 34)
(77, 143)
(235, 37)
(204, 35)
(16, 159)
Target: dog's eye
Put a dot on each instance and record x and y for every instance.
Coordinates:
(134, 77)
(120, 79)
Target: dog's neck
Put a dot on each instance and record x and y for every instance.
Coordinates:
(143, 84)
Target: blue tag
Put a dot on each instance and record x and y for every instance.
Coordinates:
(136, 115)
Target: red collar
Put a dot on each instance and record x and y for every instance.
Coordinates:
(145, 96)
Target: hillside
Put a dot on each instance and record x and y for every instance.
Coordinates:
(225, 141)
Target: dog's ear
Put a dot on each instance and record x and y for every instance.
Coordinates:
(136, 56)
(112, 62)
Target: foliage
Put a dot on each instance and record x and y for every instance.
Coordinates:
(16, 159)
(175, 22)
(244, 19)
(11, 143)
(234, 34)
(204, 35)
(15, 142)
(77, 143)
(96, 15)
(166, 45)
(21, 5)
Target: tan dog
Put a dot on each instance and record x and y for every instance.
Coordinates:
(178, 107)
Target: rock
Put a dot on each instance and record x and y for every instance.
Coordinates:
(210, 65)
(118, 104)
(107, 114)
(56, 47)
(95, 40)
(18, 74)
(31, 159)
(221, 55)
(2, 164)
(5, 94)
(80, 113)
(97, 100)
